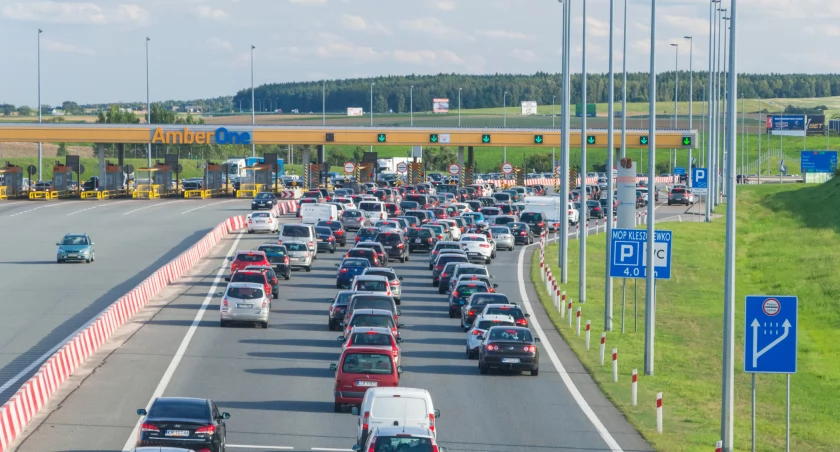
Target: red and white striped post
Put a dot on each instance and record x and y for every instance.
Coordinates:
(615, 365)
(719, 446)
(548, 281)
(569, 308)
(542, 268)
(659, 412)
(634, 387)
(588, 327)
(559, 304)
(577, 322)
(563, 305)
(603, 346)
(554, 293)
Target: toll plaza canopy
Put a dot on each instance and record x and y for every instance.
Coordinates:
(314, 135)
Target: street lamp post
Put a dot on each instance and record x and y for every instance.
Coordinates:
(148, 104)
(608, 283)
(650, 303)
(563, 258)
(411, 105)
(584, 209)
(323, 103)
(690, 98)
(40, 146)
(553, 160)
(504, 122)
(708, 160)
(459, 107)
(253, 117)
(371, 105)
(676, 96)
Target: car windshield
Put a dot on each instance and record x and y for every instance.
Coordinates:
(295, 231)
(377, 320)
(272, 249)
(75, 240)
(421, 233)
(517, 335)
(528, 217)
(367, 232)
(373, 286)
(249, 257)
(451, 257)
(447, 246)
(323, 231)
(504, 220)
(367, 363)
(473, 239)
(499, 230)
(262, 196)
(179, 410)
(437, 228)
(593, 204)
(516, 313)
(297, 247)
(403, 443)
(388, 239)
(332, 225)
(472, 271)
(487, 324)
(381, 272)
(352, 214)
(260, 215)
(245, 293)
(248, 277)
(468, 289)
(371, 338)
(490, 211)
(355, 263)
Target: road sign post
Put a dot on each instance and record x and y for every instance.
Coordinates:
(629, 254)
(349, 167)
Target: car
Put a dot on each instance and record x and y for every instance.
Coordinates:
(381, 318)
(361, 368)
(299, 233)
(405, 438)
(420, 239)
(478, 248)
(441, 262)
(500, 305)
(182, 421)
(489, 214)
(365, 253)
(423, 216)
(338, 308)
(366, 234)
(411, 222)
(263, 222)
(476, 303)
(503, 220)
(535, 220)
(372, 336)
(378, 248)
(461, 294)
(372, 283)
(440, 246)
(393, 280)
(509, 348)
(479, 327)
(75, 247)
(453, 228)
(522, 233)
(263, 200)
(278, 257)
(245, 302)
(354, 219)
(243, 259)
(372, 300)
(439, 231)
(326, 239)
(503, 237)
(348, 269)
(337, 228)
(595, 210)
(394, 243)
(679, 195)
(272, 284)
(390, 225)
(299, 255)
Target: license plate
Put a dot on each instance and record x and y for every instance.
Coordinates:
(71, 255)
(389, 247)
(510, 360)
(298, 259)
(321, 240)
(177, 433)
(366, 383)
(418, 241)
(244, 306)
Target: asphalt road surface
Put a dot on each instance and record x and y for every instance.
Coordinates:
(277, 385)
(44, 303)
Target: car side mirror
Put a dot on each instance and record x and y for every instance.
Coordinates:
(401, 325)
(399, 312)
(355, 412)
(536, 339)
(400, 278)
(481, 337)
(399, 369)
(57, 244)
(399, 340)
(495, 286)
(219, 294)
(341, 338)
(230, 258)
(343, 324)
(225, 415)
(527, 315)
(336, 266)
(443, 449)
(141, 411)
(437, 414)
(227, 278)
(333, 367)
(91, 244)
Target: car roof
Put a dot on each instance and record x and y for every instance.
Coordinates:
(519, 328)
(381, 269)
(249, 285)
(364, 277)
(258, 267)
(378, 349)
(403, 430)
(184, 400)
(373, 329)
(492, 317)
(372, 312)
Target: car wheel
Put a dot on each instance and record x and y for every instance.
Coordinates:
(481, 369)
(493, 255)
(669, 203)
(535, 372)
(332, 250)
(308, 268)
(59, 261)
(337, 407)
(431, 267)
(406, 257)
(264, 325)
(469, 353)
(487, 261)
(92, 257)
(435, 283)
(441, 290)
(451, 315)
(250, 231)
(288, 276)
(337, 286)
(331, 325)
(397, 301)
(402, 259)
(223, 323)
(88, 261)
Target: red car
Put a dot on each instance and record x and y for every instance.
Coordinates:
(366, 336)
(243, 259)
(440, 213)
(253, 276)
(361, 368)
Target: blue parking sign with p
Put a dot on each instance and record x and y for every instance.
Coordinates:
(629, 254)
(699, 178)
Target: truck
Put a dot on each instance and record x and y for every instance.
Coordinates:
(390, 164)
(549, 206)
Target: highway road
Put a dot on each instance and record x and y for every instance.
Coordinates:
(277, 385)
(43, 303)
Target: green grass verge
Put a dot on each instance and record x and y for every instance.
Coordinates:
(785, 245)
(92, 166)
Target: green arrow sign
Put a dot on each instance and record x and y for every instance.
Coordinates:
(686, 141)
(433, 138)
(485, 138)
(380, 138)
(590, 139)
(643, 139)
(538, 139)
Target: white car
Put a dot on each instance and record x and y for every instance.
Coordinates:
(574, 214)
(348, 203)
(462, 207)
(245, 302)
(480, 325)
(263, 222)
(454, 230)
(372, 283)
(300, 256)
(478, 248)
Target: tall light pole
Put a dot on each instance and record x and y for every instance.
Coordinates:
(676, 96)
(565, 106)
(650, 295)
(253, 118)
(40, 145)
(323, 103)
(148, 104)
(504, 122)
(726, 106)
(624, 88)
(709, 160)
(371, 109)
(727, 418)
(411, 104)
(690, 99)
(459, 107)
(553, 159)
(584, 209)
(608, 283)
(743, 133)
(761, 125)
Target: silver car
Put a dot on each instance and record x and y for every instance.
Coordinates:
(480, 325)
(503, 237)
(245, 302)
(393, 280)
(354, 219)
(299, 255)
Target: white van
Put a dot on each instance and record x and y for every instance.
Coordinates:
(299, 233)
(395, 406)
(374, 210)
(313, 213)
(549, 206)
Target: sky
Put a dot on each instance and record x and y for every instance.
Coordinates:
(94, 51)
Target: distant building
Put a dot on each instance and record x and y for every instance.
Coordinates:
(175, 108)
(192, 109)
(57, 112)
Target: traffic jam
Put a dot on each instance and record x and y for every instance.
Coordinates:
(454, 232)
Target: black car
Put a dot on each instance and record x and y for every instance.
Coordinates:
(326, 239)
(263, 201)
(501, 306)
(420, 239)
(278, 257)
(366, 234)
(604, 202)
(423, 216)
(462, 294)
(409, 205)
(521, 232)
(509, 348)
(338, 230)
(394, 243)
(535, 220)
(441, 263)
(476, 304)
(338, 308)
(595, 210)
(475, 205)
(413, 222)
(183, 422)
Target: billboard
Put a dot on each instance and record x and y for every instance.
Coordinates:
(529, 107)
(352, 111)
(590, 110)
(440, 105)
(788, 125)
(815, 124)
(818, 161)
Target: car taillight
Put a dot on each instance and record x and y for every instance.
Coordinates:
(443, 275)
(540, 224)
(394, 329)
(431, 421)
(477, 332)
(434, 448)
(149, 428)
(207, 430)
(225, 302)
(265, 304)
(286, 260)
(343, 270)
(521, 322)
(438, 267)
(307, 254)
(395, 352)
(250, 220)
(429, 240)
(492, 347)
(400, 245)
(331, 239)
(484, 245)
(310, 244)
(455, 294)
(529, 349)
(270, 220)
(395, 282)
(339, 232)
(522, 234)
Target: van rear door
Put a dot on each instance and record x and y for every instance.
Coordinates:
(398, 410)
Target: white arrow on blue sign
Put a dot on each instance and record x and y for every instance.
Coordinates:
(629, 254)
(770, 334)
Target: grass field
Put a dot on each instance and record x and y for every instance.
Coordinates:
(785, 245)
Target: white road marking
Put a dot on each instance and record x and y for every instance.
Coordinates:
(570, 385)
(206, 205)
(38, 208)
(247, 446)
(96, 207)
(327, 449)
(176, 360)
(144, 208)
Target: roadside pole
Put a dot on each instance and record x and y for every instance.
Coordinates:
(650, 296)
(608, 284)
(624, 138)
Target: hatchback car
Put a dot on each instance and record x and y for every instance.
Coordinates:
(263, 200)
(394, 243)
(503, 237)
(509, 348)
(75, 247)
(420, 239)
(338, 230)
(338, 308)
(278, 257)
(401, 438)
(381, 318)
(522, 233)
(243, 259)
(502, 306)
(365, 253)
(326, 239)
(245, 302)
(371, 336)
(441, 262)
(393, 280)
(372, 283)
(354, 219)
(377, 247)
(361, 368)
(299, 255)
(480, 326)
(461, 294)
(183, 422)
(366, 234)
(679, 195)
(348, 269)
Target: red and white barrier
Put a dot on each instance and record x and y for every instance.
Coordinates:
(615, 365)
(554, 292)
(588, 327)
(19, 410)
(559, 304)
(659, 412)
(569, 308)
(546, 181)
(562, 305)
(291, 194)
(633, 387)
(719, 446)
(578, 322)
(603, 345)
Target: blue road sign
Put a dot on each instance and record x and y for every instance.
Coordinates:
(770, 334)
(629, 254)
(699, 179)
(817, 161)
(679, 171)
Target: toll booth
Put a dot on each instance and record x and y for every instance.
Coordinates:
(259, 176)
(150, 190)
(115, 181)
(162, 177)
(62, 180)
(212, 182)
(12, 181)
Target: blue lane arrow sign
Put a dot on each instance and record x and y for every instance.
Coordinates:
(770, 334)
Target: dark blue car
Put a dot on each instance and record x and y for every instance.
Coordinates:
(326, 239)
(349, 269)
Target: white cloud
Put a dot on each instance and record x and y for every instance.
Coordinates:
(687, 25)
(219, 43)
(524, 55)
(57, 46)
(445, 5)
(504, 34)
(597, 27)
(208, 12)
(73, 12)
(426, 56)
(435, 27)
(333, 46)
(358, 23)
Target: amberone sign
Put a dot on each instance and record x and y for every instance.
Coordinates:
(186, 136)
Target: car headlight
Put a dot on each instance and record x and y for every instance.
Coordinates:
(85, 252)
(61, 251)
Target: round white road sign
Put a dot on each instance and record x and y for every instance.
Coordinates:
(402, 167)
(349, 167)
(454, 169)
(507, 168)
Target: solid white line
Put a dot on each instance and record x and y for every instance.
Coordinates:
(96, 207)
(144, 208)
(327, 449)
(570, 385)
(245, 446)
(176, 360)
(206, 205)
(38, 208)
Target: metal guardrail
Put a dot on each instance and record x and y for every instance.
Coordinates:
(146, 191)
(203, 194)
(249, 190)
(48, 195)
